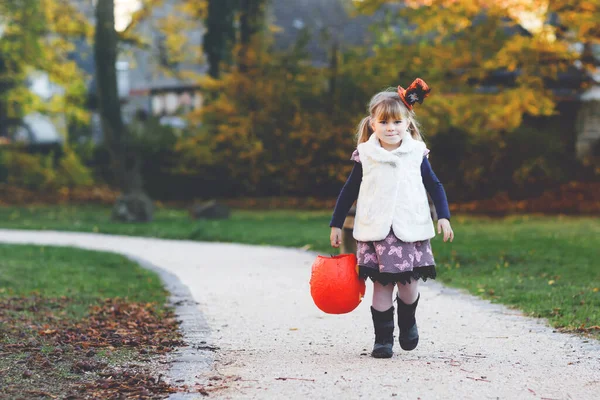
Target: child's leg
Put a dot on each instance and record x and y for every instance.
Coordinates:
(408, 297)
(382, 312)
(382, 296)
(408, 292)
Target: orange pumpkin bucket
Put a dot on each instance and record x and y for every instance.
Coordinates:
(334, 284)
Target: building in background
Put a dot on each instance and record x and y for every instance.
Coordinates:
(143, 82)
(155, 83)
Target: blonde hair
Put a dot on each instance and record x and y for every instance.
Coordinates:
(387, 105)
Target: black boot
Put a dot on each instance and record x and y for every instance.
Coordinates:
(409, 335)
(383, 322)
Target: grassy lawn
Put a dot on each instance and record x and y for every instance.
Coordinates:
(547, 266)
(272, 227)
(66, 319)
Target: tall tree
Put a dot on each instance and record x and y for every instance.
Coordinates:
(488, 70)
(133, 205)
(220, 33)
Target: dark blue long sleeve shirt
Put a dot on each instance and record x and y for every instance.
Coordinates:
(349, 193)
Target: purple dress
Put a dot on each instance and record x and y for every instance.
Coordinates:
(391, 260)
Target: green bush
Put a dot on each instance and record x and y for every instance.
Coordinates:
(71, 172)
(31, 171)
(43, 172)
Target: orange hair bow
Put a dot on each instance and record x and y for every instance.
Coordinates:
(416, 92)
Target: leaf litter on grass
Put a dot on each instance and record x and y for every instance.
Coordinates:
(46, 354)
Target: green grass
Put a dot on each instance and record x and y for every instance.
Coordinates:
(53, 288)
(85, 277)
(546, 266)
(269, 227)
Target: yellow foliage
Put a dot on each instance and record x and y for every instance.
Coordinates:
(38, 37)
(71, 172)
(278, 127)
(39, 172)
(29, 170)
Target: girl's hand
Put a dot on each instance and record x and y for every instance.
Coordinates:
(335, 237)
(444, 225)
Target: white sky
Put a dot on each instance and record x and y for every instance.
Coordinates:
(123, 11)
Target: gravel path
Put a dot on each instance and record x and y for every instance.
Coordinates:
(255, 333)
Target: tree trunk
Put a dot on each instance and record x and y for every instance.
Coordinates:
(105, 52)
(220, 34)
(133, 205)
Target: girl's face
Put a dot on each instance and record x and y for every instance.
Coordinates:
(390, 131)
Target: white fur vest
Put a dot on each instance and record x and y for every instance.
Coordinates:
(392, 194)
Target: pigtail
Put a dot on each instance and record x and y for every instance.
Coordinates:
(364, 130)
(415, 130)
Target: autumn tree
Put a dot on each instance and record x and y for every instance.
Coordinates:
(499, 70)
(36, 36)
(269, 126)
(133, 205)
(252, 23)
(465, 48)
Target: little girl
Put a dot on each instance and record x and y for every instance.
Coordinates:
(393, 224)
